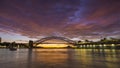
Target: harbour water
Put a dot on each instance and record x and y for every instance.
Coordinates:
(60, 58)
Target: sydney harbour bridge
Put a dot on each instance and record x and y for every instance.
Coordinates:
(54, 37)
(43, 41)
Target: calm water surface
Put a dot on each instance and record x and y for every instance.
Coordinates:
(59, 58)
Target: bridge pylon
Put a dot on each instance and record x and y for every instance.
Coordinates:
(30, 44)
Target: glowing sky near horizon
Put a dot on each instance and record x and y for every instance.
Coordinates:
(22, 20)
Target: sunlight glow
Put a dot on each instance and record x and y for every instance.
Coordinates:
(52, 45)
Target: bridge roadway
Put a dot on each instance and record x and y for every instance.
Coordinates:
(55, 43)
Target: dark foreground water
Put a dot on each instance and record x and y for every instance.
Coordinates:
(59, 58)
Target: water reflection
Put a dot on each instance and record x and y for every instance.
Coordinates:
(60, 58)
(47, 56)
(99, 58)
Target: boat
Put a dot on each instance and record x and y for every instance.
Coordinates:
(12, 49)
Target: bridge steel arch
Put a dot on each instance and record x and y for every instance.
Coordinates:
(53, 37)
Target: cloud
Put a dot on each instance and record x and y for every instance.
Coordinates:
(73, 18)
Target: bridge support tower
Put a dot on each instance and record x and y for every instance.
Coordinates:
(30, 44)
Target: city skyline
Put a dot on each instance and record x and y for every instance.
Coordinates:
(23, 20)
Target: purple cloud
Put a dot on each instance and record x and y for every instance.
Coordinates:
(73, 18)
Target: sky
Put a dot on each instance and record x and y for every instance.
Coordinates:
(23, 20)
